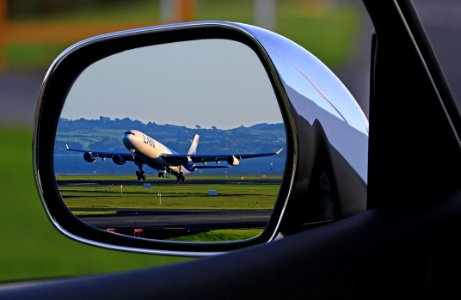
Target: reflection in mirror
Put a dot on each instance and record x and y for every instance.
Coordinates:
(182, 141)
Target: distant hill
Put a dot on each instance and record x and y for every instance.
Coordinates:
(105, 134)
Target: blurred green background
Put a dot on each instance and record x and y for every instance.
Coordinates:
(30, 247)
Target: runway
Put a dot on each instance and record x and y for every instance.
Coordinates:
(166, 181)
(167, 223)
(164, 223)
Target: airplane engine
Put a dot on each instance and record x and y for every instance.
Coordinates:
(118, 160)
(89, 157)
(232, 160)
(187, 161)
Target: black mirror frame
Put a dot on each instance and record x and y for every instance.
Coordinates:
(54, 90)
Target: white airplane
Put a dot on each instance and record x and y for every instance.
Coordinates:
(144, 150)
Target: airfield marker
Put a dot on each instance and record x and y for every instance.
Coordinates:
(121, 190)
(159, 198)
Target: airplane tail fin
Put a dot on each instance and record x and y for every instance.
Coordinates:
(193, 146)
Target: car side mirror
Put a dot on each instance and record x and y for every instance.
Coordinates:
(256, 137)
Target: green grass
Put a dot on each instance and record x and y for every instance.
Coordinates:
(91, 200)
(172, 196)
(96, 212)
(219, 235)
(329, 34)
(30, 246)
(132, 10)
(32, 56)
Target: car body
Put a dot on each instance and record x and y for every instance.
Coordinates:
(404, 240)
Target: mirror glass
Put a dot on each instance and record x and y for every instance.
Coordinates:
(181, 141)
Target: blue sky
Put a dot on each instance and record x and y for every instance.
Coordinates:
(215, 82)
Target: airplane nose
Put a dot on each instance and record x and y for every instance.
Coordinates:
(128, 138)
(127, 135)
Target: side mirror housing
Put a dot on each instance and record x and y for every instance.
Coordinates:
(324, 132)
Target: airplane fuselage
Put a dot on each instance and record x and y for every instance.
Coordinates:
(149, 152)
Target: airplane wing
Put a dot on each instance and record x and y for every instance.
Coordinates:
(232, 159)
(91, 156)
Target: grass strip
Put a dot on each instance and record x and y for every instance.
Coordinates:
(219, 235)
(31, 247)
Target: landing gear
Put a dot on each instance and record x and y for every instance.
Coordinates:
(141, 175)
(180, 178)
(161, 174)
